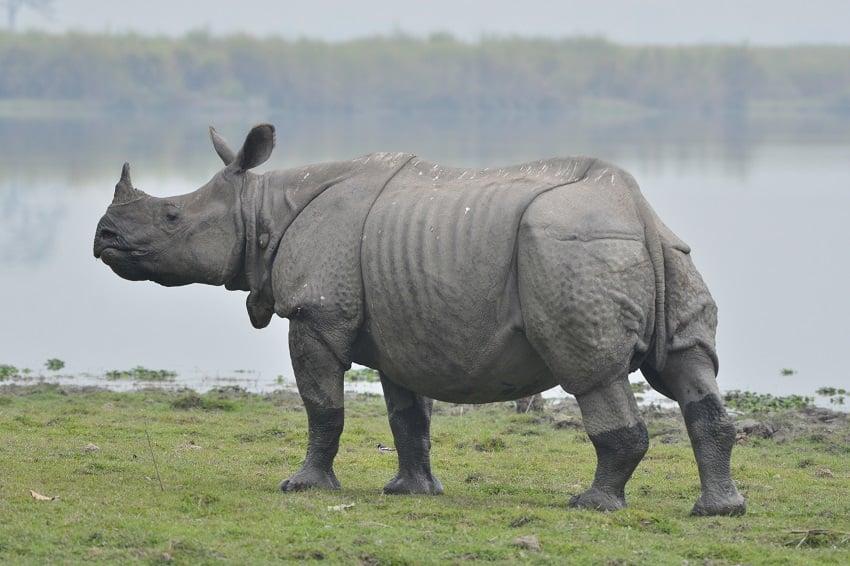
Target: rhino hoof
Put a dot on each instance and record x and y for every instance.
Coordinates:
(416, 485)
(302, 481)
(597, 500)
(730, 507)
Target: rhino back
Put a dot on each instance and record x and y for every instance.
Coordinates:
(439, 272)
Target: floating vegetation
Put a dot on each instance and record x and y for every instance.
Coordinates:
(749, 402)
(836, 395)
(367, 375)
(140, 373)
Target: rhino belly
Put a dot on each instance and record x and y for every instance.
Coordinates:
(443, 362)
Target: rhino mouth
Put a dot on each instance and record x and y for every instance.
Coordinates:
(109, 252)
(123, 262)
(123, 259)
(109, 245)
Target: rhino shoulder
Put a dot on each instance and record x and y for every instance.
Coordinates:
(317, 264)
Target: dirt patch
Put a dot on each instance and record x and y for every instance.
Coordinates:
(818, 424)
(666, 425)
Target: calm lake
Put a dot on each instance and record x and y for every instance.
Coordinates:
(764, 212)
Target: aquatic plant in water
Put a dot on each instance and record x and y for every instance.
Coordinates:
(140, 373)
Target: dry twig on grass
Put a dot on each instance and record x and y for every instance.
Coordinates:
(808, 533)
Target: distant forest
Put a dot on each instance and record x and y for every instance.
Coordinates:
(439, 74)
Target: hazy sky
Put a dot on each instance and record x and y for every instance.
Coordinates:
(756, 22)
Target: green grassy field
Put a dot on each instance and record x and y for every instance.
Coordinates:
(508, 477)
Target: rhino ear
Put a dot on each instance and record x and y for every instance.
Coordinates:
(257, 148)
(221, 148)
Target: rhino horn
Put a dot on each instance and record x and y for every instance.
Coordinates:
(124, 191)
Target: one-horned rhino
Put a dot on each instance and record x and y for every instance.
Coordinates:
(462, 285)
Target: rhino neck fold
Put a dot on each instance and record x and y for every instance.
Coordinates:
(235, 278)
(255, 218)
(270, 203)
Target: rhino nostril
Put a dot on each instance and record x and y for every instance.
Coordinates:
(106, 234)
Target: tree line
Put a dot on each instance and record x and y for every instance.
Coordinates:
(438, 74)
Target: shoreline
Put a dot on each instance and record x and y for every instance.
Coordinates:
(779, 423)
(253, 383)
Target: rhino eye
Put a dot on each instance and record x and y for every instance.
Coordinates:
(172, 216)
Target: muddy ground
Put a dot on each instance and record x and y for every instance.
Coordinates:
(816, 424)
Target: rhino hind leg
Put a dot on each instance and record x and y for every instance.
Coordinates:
(410, 421)
(618, 434)
(583, 304)
(690, 375)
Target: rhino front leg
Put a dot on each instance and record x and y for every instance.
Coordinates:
(410, 422)
(690, 375)
(319, 376)
(618, 434)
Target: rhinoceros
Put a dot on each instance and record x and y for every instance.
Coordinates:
(461, 285)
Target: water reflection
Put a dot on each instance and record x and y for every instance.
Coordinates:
(29, 219)
(762, 210)
(78, 151)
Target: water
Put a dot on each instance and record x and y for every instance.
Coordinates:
(764, 214)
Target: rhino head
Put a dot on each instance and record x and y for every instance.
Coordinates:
(198, 237)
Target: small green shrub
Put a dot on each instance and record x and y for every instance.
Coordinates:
(8, 371)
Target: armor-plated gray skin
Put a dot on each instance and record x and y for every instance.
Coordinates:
(462, 285)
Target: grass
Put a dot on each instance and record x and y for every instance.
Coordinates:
(508, 478)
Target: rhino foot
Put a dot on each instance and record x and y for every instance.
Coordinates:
(308, 479)
(597, 500)
(730, 506)
(420, 484)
